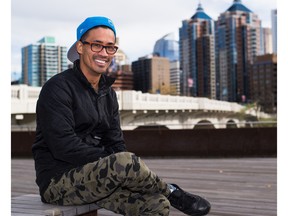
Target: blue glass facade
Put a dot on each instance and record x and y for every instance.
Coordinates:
(238, 42)
(42, 60)
(167, 47)
(197, 55)
(216, 56)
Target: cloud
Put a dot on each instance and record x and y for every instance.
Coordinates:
(139, 24)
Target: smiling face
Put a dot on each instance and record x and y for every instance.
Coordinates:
(95, 63)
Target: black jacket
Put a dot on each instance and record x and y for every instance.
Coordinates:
(75, 125)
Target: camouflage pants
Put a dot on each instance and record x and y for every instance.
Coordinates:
(121, 183)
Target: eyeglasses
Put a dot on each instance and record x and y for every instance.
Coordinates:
(97, 47)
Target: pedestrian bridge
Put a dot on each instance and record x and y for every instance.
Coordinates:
(143, 109)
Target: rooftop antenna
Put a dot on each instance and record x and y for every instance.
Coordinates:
(237, 1)
(200, 6)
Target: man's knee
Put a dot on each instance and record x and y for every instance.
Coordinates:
(129, 161)
(125, 156)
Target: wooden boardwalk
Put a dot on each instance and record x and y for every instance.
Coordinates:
(235, 187)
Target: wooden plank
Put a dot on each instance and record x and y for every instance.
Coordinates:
(31, 204)
(234, 186)
(92, 213)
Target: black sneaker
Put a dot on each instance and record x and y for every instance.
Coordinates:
(188, 203)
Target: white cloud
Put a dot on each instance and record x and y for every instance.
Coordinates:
(138, 23)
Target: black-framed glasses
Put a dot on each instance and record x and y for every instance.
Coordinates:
(97, 47)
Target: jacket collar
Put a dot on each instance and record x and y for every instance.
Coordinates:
(104, 83)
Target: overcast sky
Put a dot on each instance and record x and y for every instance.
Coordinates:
(139, 24)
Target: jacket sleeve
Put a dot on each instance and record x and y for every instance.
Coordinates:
(56, 122)
(114, 136)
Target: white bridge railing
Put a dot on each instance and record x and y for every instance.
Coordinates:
(24, 98)
(135, 100)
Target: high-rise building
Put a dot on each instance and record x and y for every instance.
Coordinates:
(264, 82)
(197, 55)
(123, 78)
(121, 71)
(274, 29)
(238, 42)
(267, 40)
(167, 47)
(152, 75)
(175, 74)
(120, 56)
(42, 60)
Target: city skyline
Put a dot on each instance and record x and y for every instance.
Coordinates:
(29, 26)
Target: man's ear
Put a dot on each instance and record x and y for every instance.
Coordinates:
(79, 47)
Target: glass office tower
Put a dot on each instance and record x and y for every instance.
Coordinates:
(197, 55)
(167, 47)
(238, 42)
(42, 60)
(274, 29)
